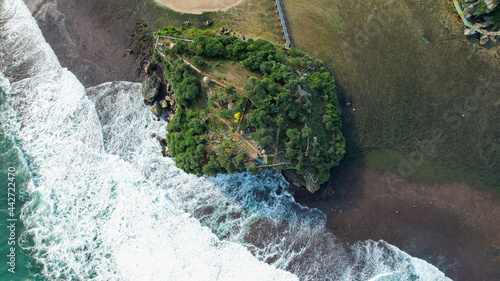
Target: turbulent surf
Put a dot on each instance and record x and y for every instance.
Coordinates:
(106, 205)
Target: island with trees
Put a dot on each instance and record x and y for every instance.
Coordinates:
(248, 105)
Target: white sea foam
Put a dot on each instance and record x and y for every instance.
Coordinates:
(111, 221)
(126, 212)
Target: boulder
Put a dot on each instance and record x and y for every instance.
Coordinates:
(170, 90)
(150, 88)
(491, 4)
(164, 103)
(156, 110)
(150, 67)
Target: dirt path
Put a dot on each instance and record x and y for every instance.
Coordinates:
(198, 6)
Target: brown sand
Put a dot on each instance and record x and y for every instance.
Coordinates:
(89, 40)
(458, 227)
(199, 6)
(453, 226)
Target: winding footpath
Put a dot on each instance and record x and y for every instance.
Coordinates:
(470, 25)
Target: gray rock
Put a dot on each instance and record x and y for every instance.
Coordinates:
(485, 39)
(164, 103)
(150, 88)
(156, 110)
(150, 67)
(170, 90)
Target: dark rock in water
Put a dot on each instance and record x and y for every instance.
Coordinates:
(163, 142)
(151, 88)
(157, 110)
(146, 102)
(164, 103)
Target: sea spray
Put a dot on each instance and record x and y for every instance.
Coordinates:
(111, 222)
(255, 211)
(126, 212)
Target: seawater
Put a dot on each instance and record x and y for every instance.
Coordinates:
(103, 204)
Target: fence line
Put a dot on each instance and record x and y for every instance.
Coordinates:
(283, 24)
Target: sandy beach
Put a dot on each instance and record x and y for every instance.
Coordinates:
(453, 226)
(199, 6)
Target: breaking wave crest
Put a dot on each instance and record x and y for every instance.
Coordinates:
(106, 205)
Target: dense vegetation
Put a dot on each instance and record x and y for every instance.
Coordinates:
(288, 109)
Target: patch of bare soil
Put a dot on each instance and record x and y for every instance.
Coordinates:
(199, 6)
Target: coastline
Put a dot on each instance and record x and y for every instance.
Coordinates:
(369, 200)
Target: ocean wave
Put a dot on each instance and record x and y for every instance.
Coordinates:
(108, 205)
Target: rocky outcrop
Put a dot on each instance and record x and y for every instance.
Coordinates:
(303, 181)
(164, 104)
(150, 67)
(157, 110)
(151, 88)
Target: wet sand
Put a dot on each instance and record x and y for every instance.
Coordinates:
(88, 39)
(198, 6)
(452, 226)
